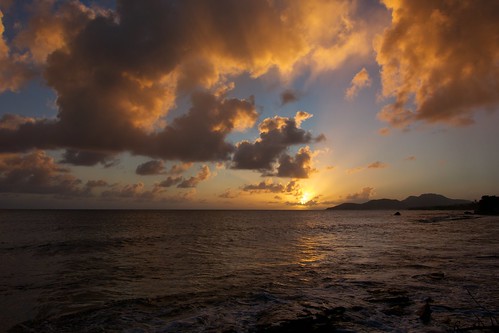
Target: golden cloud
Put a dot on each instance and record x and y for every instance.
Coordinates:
(439, 61)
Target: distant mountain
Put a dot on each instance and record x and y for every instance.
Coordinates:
(427, 200)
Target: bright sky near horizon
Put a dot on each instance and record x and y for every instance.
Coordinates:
(246, 104)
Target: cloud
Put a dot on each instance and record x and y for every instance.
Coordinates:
(228, 194)
(354, 170)
(154, 167)
(36, 173)
(299, 166)
(265, 186)
(276, 135)
(97, 183)
(373, 165)
(136, 192)
(53, 26)
(177, 169)
(377, 165)
(203, 174)
(14, 71)
(115, 87)
(170, 181)
(385, 131)
(359, 81)
(268, 186)
(199, 135)
(88, 158)
(289, 96)
(12, 122)
(365, 194)
(439, 62)
(410, 158)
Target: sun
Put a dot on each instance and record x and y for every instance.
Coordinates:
(306, 196)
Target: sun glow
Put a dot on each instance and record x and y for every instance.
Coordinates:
(306, 197)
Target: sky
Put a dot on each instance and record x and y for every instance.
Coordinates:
(246, 104)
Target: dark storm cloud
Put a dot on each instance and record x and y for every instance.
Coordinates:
(276, 135)
(199, 135)
(299, 166)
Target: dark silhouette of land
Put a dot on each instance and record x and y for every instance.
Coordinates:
(488, 205)
(424, 201)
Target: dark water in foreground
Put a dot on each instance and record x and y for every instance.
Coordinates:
(244, 271)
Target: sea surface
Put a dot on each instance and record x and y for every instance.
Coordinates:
(247, 271)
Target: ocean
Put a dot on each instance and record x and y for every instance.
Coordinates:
(247, 271)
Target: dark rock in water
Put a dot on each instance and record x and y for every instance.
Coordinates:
(424, 312)
(397, 214)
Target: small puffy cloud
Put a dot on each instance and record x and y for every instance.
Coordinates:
(289, 96)
(203, 174)
(377, 165)
(365, 194)
(439, 61)
(265, 186)
(154, 167)
(96, 183)
(178, 169)
(385, 131)
(170, 181)
(410, 158)
(359, 81)
(268, 186)
(181, 182)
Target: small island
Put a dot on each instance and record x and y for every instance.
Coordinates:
(427, 201)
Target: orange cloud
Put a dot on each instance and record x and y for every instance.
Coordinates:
(115, 88)
(359, 81)
(439, 61)
(14, 71)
